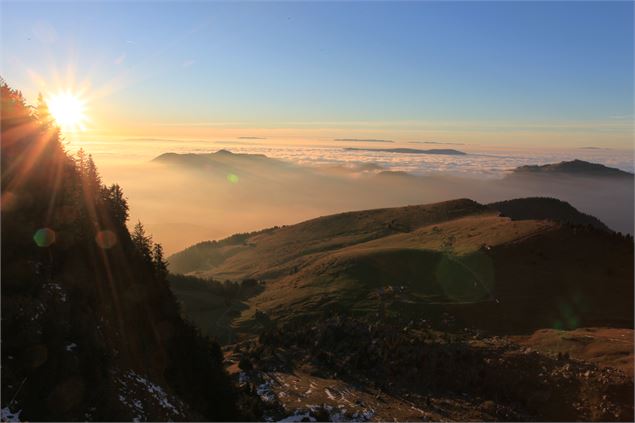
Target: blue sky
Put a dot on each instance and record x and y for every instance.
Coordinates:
(401, 67)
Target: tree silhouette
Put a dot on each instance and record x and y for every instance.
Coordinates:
(43, 113)
(160, 264)
(117, 204)
(72, 274)
(142, 241)
(92, 178)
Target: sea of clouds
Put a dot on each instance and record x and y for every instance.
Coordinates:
(484, 162)
(182, 205)
(476, 163)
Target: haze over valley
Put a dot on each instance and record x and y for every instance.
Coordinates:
(243, 187)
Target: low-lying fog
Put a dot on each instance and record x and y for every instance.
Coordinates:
(183, 200)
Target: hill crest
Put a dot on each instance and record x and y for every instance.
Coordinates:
(574, 168)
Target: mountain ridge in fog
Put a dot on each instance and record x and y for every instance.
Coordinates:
(573, 168)
(224, 193)
(442, 151)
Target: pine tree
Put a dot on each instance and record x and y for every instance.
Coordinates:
(93, 178)
(142, 241)
(160, 264)
(81, 162)
(43, 113)
(117, 204)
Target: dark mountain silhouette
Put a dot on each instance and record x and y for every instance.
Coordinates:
(224, 162)
(90, 328)
(539, 208)
(572, 168)
(436, 142)
(362, 140)
(219, 157)
(444, 151)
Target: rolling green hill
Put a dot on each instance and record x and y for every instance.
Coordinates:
(457, 258)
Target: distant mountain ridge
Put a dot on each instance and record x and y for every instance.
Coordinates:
(573, 168)
(222, 153)
(442, 151)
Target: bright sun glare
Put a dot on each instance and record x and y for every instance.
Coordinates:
(68, 111)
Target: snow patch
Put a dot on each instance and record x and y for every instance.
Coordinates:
(6, 415)
(243, 378)
(298, 417)
(131, 378)
(156, 391)
(265, 391)
(57, 289)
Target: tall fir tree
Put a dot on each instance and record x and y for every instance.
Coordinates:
(142, 241)
(117, 204)
(160, 264)
(43, 113)
(92, 178)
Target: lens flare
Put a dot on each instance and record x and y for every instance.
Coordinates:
(466, 278)
(232, 178)
(8, 201)
(106, 239)
(44, 237)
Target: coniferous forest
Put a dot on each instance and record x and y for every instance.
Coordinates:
(87, 314)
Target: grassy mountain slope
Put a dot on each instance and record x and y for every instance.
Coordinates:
(458, 258)
(275, 251)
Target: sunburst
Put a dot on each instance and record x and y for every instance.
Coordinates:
(68, 110)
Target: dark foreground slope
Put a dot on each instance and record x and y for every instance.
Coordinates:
(342, 368)
(459, 257)
(90, 329)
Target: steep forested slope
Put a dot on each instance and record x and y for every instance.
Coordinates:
(90, 329)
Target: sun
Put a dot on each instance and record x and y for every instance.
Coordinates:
(68, 110)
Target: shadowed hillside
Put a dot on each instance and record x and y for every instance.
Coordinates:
(457, 257)
(546, 208)
(447, 311)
